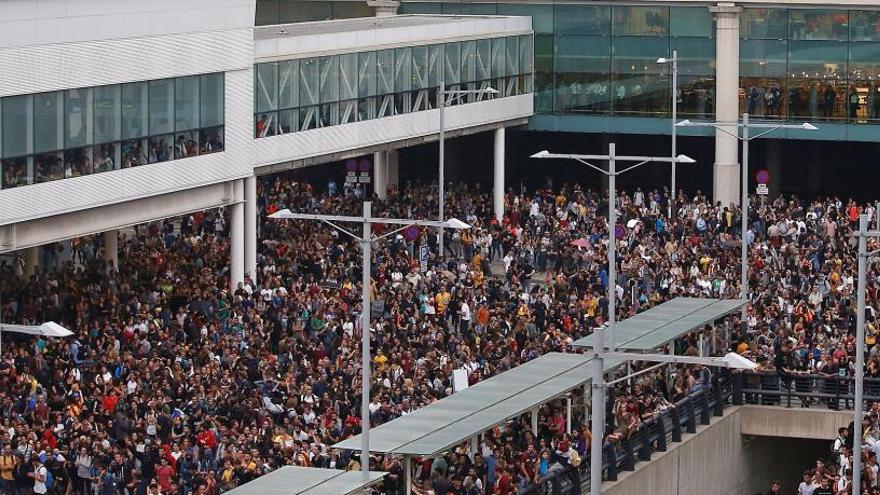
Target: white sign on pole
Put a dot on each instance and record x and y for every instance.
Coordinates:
(459, 379)
(762, 190)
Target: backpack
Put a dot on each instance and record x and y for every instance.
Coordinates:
(50, 479)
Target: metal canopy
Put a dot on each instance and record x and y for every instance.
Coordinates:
(666, 322)
(296, 480)
(437, 427)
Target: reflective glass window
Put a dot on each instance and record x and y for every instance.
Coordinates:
(817, 24)
(420, 8)
(403, 77)
(15, 172)
(542, 15)
(48, 167)
(864, 25)
(499, 57)
(135, 102)
(77, 117)
(308, 82)
(288, 84)
(78, 162)
(108, 113)
(817, 80)
(385, 71)
(691, 22)
(640, 21)
(763, 77)
(763, 23)
(266, 87)
(161, 106)
(329, 78)
(268, 12)
(17, 128)
(583, 19)
(583, 66)
(348, 76)
(305, 10)
(452, 63)
(48, 121)
(435, 52)
(186, 103)
(864, 77)
(484, 59)
(106, 157)
(544, 74)
(696, 76)
(640, 85)
(468, 61)
(212, 98)
(420, 67)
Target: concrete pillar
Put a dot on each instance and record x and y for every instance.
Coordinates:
(380, 175)
(384, 7)
(535, 421)
(498, 182)
(236, 245)
(31, 261)
(250, 228)
(392, 159)
(111, 248)
(726, 177)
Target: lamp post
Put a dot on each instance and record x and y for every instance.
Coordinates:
(366, 239)
(673, 61)
(744, 193)
(441, 159)
(598, 395)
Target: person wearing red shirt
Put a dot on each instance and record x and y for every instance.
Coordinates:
(503, 485)
(163, 475)
(207, 439)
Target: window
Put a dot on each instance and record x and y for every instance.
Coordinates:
(77, 117)
(640, 85)
(161, 106)
(864, 25)
(817, 80)
(763, 24)
(16, 125)
(864, 78)
(134, 110)
(584, 19)
(640, 21)
(48, 121)
(583, 66)
(763, 77)
(818, 25)
(63, 134)
(691, 22)
(108, 116)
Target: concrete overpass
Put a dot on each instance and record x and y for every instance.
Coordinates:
(738, 454)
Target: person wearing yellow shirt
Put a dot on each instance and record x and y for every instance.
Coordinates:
(7, 464)
(441, 301)
(380, 360)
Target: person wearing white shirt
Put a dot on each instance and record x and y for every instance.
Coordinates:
(808, 486)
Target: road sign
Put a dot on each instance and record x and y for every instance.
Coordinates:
(762, 177)
(762, 190)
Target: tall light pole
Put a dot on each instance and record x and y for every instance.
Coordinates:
(744, 192)
(365, 240)
(598, 377)
(674, 65)
(442, 93)
(861, 287)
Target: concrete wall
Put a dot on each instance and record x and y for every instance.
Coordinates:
(738, 454)
(769, 421)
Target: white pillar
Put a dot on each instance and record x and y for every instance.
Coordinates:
(498, 182)
(380, 174)
(236, 245)
(384, 7)
(568, 415)
(535, 421)
(111, 248)
(392, 159)
(31, 260)
(250, 228)
(726, 176)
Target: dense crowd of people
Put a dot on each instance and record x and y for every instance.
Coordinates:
(176, 382)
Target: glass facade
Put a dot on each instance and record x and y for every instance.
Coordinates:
(63, 134)
(298, 95)
(810, 64)
(594, 58)
(284, 11)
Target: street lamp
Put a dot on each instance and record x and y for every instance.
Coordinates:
(598, 395)
(863, 235)
(674, 64)
(744, 198)
(441, 105)
(366, 239)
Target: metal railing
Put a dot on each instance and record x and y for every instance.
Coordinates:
(653, 435)
(800, 389)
